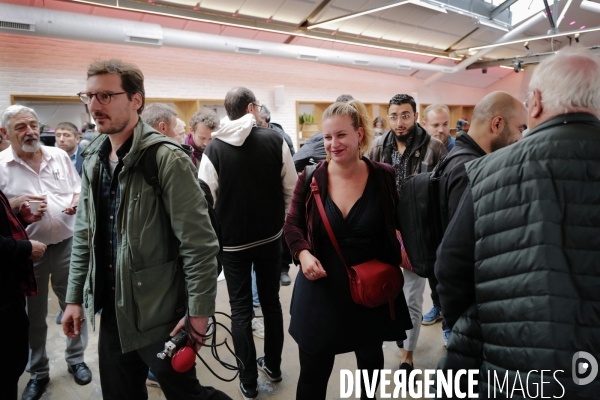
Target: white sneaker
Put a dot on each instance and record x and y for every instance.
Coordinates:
(258, 328)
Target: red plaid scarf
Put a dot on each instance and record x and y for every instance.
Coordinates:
(28, 283)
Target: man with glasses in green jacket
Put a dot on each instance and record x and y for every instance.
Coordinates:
(146, 261)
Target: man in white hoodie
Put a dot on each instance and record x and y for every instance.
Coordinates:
(252, 176)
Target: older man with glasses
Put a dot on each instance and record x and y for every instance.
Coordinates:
(409, 149)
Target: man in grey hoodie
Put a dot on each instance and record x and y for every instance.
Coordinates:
(251, 174)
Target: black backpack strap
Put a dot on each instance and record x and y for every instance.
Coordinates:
(309, 170)
(150, 168)
(441, 166)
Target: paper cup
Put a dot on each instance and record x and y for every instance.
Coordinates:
(35, 206)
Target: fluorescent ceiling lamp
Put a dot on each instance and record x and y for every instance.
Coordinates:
(334, 40)
(562, 13)
(531, 39)
(358, 14)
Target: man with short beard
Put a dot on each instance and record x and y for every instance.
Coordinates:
(499, 120)
(28, 170)
(147, 261)
(409, 149)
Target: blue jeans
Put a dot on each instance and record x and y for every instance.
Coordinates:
(255, 301)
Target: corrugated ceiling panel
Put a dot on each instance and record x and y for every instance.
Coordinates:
(408, 13)
(481, 80)
(229, 6)
(294, 12)
(261, 9)
(437, 40)
(271, 37)
(379, 28)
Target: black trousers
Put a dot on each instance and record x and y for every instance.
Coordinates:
(123, 376)
(315, 371)
(433, 282)
(286, 256)
(267, 265)
(15, 344)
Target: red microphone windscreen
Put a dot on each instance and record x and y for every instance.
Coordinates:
(184, 359)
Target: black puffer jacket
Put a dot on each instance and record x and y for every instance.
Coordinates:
(535, 272)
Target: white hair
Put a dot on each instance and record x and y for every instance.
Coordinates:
(12, 111)
(567, 80)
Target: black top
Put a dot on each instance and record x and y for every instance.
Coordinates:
(324, 317)
(15, 253)
(454, 179)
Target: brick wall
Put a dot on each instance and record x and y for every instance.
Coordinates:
(45, 66)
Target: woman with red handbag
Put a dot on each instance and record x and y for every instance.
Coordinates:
(342, 232)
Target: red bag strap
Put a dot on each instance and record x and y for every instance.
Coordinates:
(315, 190)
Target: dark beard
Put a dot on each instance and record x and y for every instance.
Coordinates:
(408, 135)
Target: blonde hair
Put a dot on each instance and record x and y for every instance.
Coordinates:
(360, 119)
(435, 108)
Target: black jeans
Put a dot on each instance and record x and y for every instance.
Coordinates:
(123, 376)
(433, 282)
(315, 371)
(15, 344)
(267, 265)
(286, 256)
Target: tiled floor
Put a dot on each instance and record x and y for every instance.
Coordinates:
(62, 386)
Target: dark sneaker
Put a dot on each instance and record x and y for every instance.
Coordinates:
(273, 377)
(434, 315)
(285, 279)
(248, 393)
(35, 388)
(409, 368)
(81, 373)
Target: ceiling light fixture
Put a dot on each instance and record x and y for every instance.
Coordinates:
(583, 27)
(534, 38)
(563, 12)
(572, 23)
(358, 14)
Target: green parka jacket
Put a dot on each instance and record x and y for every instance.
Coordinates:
(166, 252)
